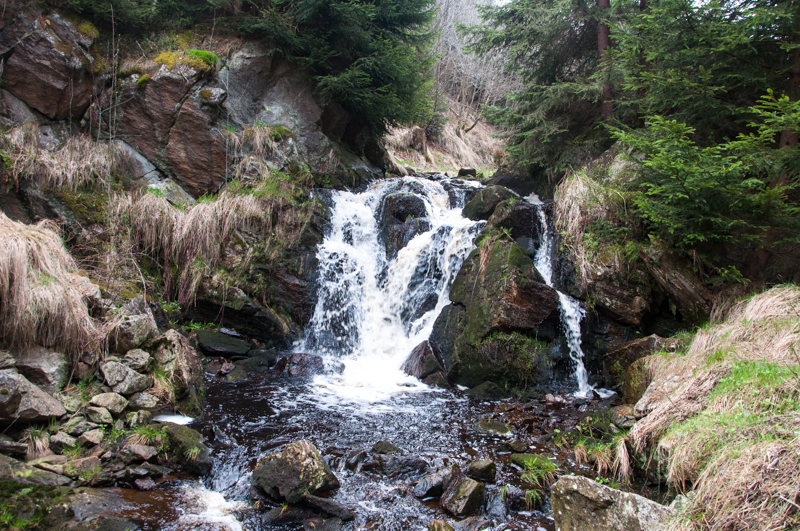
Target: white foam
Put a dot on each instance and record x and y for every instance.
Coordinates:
(175, 419)
(208, 510)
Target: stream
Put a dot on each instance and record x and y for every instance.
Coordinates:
(372, 310)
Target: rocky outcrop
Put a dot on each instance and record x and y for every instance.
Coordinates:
(521, 219)
(187, 450)
(181, 364)
(213, 343)
(137, 326)
(49, 64)
(618, 361)
(295, 470)
(20, 400)
(580, 504)
(403, 216)
(483, 203)
(45, 368)
(124, 380)
(13, 470)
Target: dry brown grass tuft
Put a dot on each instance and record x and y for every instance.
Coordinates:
(40, 303)
(79, 161)
(725, 416)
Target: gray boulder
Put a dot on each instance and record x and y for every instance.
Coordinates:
(45, 368)
(434, 484)
(113, 402)
(61, 440)
(21, 400)
(13, 470)
(144, 401)
(181, 363)
(99, 415)
(137, 326)
(581, 504)
(295, 470)
(463, 496)
(124, 380)
(138, 360)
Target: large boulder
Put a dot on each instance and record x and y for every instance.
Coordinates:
(13, 470)
(218, 344)
(521, 219)
(501, 317)
(50, 63)
(402, 216)
(295, 470)
(581, 504)
(137, 326)
(618, 361)
(463, 496)
(45, 368)
(423, 361)
(483, 203)
(124, 380)
(21, 400)
(181, 363)
(187, 450)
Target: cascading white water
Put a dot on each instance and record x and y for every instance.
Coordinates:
(373, 311)
(572, 313)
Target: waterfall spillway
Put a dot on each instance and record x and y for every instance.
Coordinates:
(374, 308)
(572, 313)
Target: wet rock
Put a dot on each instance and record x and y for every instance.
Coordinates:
(99, 415)
(484, 470)
(484, 202)
(322, 524)
(496, 508)
(521, 459)
(439, 525)
(467, 172)
(623, 416)
(580, 504)
(402, 216)
(61, 440)
(474, 523)
(617, 362)
(227, 367)
(328, 506)
(50, 67)
(300, 364)
(144, 484)
(114, 403)
(463, 496)
(434, 484)
(45, 368)
(423, 361)
(437, 379)
(92, 437)
(495, 427)
(487, 391)
(122, 379)
(136, 453)
(288, 514)
(82, 468)
(138, 360)
(295, 470)
(175, 355)
(515, 446)
(9, 446)
(396, 466)
(13, 470)
(187, 450)
(385, 448)
(521, 219)
(217, 344)
(20, 400)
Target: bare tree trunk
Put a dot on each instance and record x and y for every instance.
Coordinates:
(603, 43)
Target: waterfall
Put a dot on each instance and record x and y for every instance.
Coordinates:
(373, 310)
(571, 310)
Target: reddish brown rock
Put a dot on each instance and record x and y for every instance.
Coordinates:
(422, 361)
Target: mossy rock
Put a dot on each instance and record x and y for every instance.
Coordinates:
(495, 427)
(186, 449)
(483, 204)
(34, 506)
(536, 460)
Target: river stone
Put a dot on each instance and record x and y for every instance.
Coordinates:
(21, 400)
(78, 426)
(113, 402)
(138, 360)
(434, 484)
(385, 448)
(13, 470)
(483, 203)
(439, 525)
(484, 470)
(296, 469)
(328, 506)
(467, 172)
(45, 368)
(144, 484)
(82, 468)
(99, 415)
(623, 416)
(219, 344)
(144, 401)
(521, 459)
(463, 496)
(124, 380)
(581, 504)
(187, 450)
(515, 446)
(521, 219)
(61, 440)
(175, 354)
(137, 453)
(92, 437)
(494, 427)
(301, 364)
(393, 466)
(422, 361)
